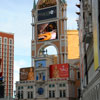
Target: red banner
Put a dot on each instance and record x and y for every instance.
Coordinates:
(59, 71)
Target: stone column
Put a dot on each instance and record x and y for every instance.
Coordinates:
(46, 91)
(57, 91)
(34, 92)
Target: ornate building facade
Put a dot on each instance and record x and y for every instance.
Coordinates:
(89, 33)
(57, 82)
(54, 78)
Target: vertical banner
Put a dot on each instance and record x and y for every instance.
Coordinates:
(96, 34)
(59, 71)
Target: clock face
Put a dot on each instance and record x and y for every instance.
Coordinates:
(40, 91)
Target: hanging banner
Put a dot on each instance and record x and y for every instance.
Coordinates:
(96, 33)
(59, 71)
(26, 74)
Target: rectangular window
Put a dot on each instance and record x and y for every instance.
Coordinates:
(10, 86)
(36, 77)
(9, 90)
(31, 95)
(21, 94)
(60, 93)
(5, 40)
(53, 94)
(53, 85)
(0, 40)
(10, 41)
(64, 93)
(50, 94)
(78, 75)
(9, 78)
(10, 54)
(64, 84)
(21, 87)
(60, 85)
(43, 78)
(10, 82)
(28, 87)
(49, 85)
(5, 46)
(28, 95)
(9, 94)
(78, 93)
(18, 95)
(31, 87)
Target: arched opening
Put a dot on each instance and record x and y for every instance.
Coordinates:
(50, 51)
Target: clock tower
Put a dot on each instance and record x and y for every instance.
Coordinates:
(41, 72)
(49, 25)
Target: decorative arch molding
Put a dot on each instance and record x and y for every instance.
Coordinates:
(48, 44)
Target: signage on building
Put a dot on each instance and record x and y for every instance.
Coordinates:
(40, 63)
(59, 71)
(47, 31)
(26, 74)
(96, 34)
(47, 13)
(46, 3)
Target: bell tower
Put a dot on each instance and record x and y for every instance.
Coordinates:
(49, 25)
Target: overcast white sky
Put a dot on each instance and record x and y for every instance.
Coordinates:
(15, 17)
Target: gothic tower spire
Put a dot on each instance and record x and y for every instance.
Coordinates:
(34, 5)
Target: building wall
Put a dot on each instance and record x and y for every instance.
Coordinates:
(88, 30)
(62, 85)
(69, 85)
(7, 61)
(73, 44)
(72, 47)
(48, 86)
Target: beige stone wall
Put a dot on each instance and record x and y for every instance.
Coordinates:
(73, 44)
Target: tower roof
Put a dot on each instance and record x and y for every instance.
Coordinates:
(34, 5)
(63, 1)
